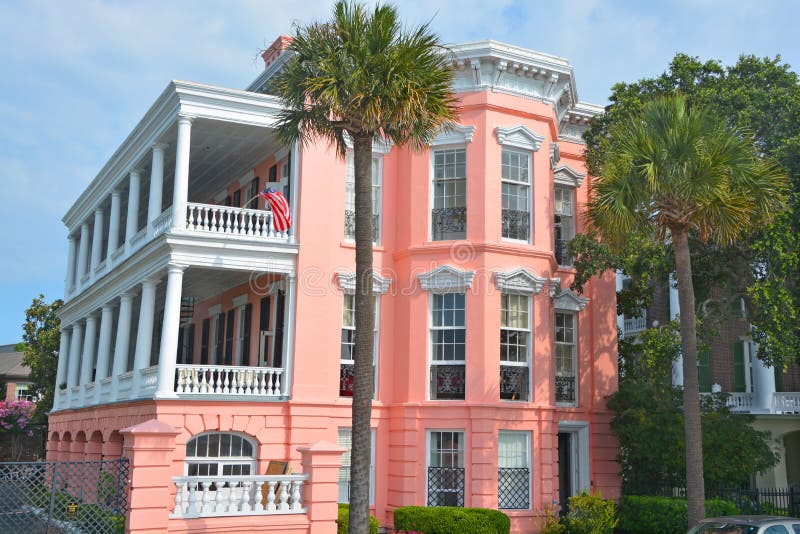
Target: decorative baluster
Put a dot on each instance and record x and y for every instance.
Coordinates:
(277, 389)
(191, 508)
(251, 225)
(259, 379)
(244, 503)
(177, 511)
(296, 487)
(284, 505)
(199, 384)
(271, 496)
(226, 381)
(233, 501)
(207, 504)
(251, 382)
(235, 382)
(219, 501)
(258, 488)
(217, 377)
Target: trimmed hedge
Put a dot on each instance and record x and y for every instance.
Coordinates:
(451, 520)
(662, 515)
(343, 522)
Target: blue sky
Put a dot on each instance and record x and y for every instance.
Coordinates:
(78, 75)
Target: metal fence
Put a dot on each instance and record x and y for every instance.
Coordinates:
(88, 497)
(768, 501)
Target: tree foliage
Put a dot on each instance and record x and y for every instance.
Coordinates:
(41, 335)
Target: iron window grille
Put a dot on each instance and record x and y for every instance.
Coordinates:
(446, 468)
(513, 488)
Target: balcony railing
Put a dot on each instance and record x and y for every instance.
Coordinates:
(562, 256)
(516, 224)
(514, 382)
(786, 402)
(448, 382)
(350, 225)
(565, 389)
(449, 223)
(230, 221)
(228, 380)
(740, 402)
(445, 486)
(238, 495)
(633, 325)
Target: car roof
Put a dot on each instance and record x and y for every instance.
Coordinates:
(756, 520)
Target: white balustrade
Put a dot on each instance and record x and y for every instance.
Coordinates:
(229, 220)
(740, 402)
(163, 222)
(238, 495)
(228, 380)
(786, 402)
(633, 325)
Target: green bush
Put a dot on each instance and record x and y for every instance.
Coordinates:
(451, 520)
(590, 514)
(343, 522)
(662, 515)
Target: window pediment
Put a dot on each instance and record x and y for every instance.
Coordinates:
(347, 282)
(456, 134)
(520, 281)
(566, 175)
(446, 279)
(569, 300)
(379, 144)
(519, 136)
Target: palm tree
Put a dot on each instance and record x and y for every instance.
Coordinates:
(361, 75)
(671, 171)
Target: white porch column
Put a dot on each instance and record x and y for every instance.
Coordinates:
(104, 346)
(87, 360)
(73, 365)
(288, 344)
(144, 335)
(763, 383)
(180, 193)
(73, 249)
(97, 238)
(63, 358)
(83, 252)
(123, 335)
(674, 312)
(169, 332)
(132, 222)
(294, 188)
(156, 184)
(113, 223)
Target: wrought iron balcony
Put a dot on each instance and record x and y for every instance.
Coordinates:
(514, 382)
(565, 389)
(350, 225)
(445, 486)
(562, 256)
(448, 223)
(513, 488)
(516, 224)
(447, 382)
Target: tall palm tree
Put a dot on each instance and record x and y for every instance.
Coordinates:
(362, 75)
(671, 171)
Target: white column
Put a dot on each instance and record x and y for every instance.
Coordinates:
(674, 311)
(294, 188)
(132, 222)
(156, 184)
(169, 332)
(63, 358)
(113, 223)
(73, 365)
(763, 383)
(180, 192)
(83, 252)
(123, 335)
(73, 249)
(89, 339)
(104, 346)
(97, 238)
(144, 336)
(288, 339)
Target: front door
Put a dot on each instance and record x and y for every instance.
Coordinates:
(564, 469)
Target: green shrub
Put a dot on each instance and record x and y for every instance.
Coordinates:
(551, 523)
(343, 522)
(662, 515)
(451, 520)
(590, 514)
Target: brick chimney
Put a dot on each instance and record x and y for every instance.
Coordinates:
(276, 49)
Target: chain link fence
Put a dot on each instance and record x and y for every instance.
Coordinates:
(88, 497)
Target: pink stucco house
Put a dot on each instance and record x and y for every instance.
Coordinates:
(195, 332)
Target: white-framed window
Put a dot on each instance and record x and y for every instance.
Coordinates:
(516, 194)
(449, 212)
(22, 391)
(514, 473)
(448, 346)
(515, 330)
(445, 468)
(240, 326)
(566, 359)
(350, 198)
(347, 365)
(564, 222)
(346, 442)
(220, 454)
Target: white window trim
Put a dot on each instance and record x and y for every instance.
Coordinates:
(375, 346)
(569, 301)
(528, 459)
(574, 315)
(579, 454)
(457, 134)
(567, 176)
(519, 281)
(528, 349)
(371, 460)
(347, 282)
(429, 447)
(219, 459)
(529, 185)
(446, 279)
(520, 137)
(461, 144)
(239, 347)
(431, 361)
(377, 156)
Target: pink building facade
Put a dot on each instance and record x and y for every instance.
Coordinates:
(188, 317)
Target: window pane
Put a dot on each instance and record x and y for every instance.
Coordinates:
(512, 449)
(213, 446)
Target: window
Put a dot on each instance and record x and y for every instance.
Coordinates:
(565, 358)
(513, 462)
(448, 346)
(22, 392)
(514, 346)
(449, 214)
(515, 172)
(348, 344)
(346, 442)
(244, 318)
(350, 199)
(220, 454)
(564, 223)
(446, 468)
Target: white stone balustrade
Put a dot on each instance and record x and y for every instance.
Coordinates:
(215, 496)
(228, 380)
(740, 402)
(229, 220)
(163, 222)
(786, 402)
(635, 324)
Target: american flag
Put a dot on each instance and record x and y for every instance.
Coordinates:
(281, 216)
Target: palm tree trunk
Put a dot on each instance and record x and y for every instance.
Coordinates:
(693, 437)
(364, 342)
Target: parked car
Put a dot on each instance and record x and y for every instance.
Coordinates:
(747, 524)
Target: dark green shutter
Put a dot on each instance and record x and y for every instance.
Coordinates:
(739, 382)
(704, 373)
(248, 319)
(204, 338)
(779, 379)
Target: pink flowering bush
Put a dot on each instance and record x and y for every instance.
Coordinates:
(15, 418)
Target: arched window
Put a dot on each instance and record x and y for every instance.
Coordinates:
(220, 453)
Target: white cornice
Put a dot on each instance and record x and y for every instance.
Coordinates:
(520, 281)
(519, 136)
(446, 279)
(569, 300)
(347, 282)
(455, 135)
(566, 175)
